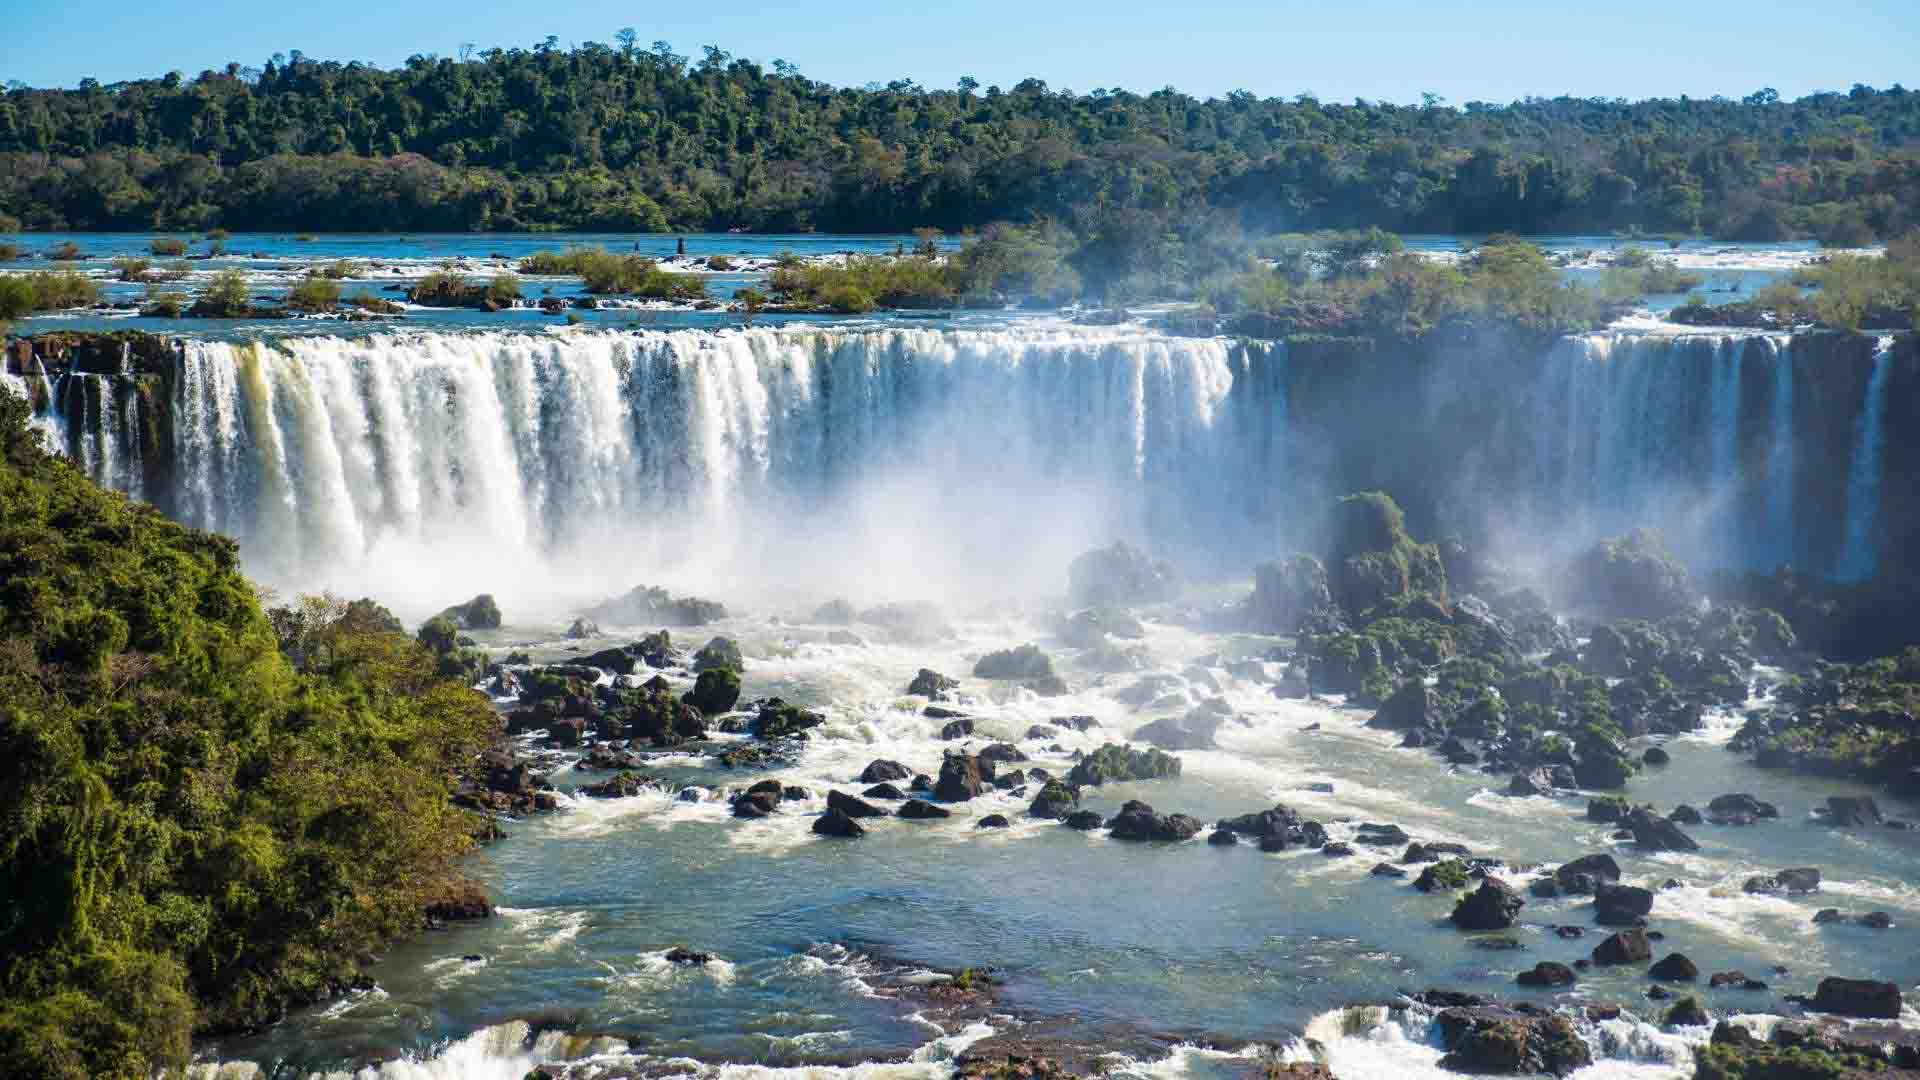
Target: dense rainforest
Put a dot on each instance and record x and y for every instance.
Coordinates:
(211, 812)
(627, 138)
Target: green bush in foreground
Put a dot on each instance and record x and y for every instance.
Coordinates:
(200, 832)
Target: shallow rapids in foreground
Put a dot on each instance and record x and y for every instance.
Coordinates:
(1210, 946)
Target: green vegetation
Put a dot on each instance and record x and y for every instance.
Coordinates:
(314, 294)
(45, 290)
(65, 251)
(11, 252)
(165, 303)
(225, 298)
(201, 830)
(446, 288)
(603, 273)
(1636, 272)
(171, 246)
(130, 269)
(1847, 292)
(338, 270)
(627, 138)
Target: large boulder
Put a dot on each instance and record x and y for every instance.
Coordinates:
(1375, 562)
(1411, 706)
(1488, 1040)
(1621, 905)
(1741, 804)
(1137, 821)
(1674, 967)
(1652, 833)
(840, 802)
(1858, 997)
(479, 613)
(1797, 881)
(1493, 906)
(1119, 576)
(1113, 764)
(837, 823)
(652, 606)
(1286, 592)
(960, 778)
(1631, 577)
(1091, 628)
(932, 685)
(1546, 973)
(922, 810)
(1588, 870)
(716, 691)
(1846, 810)
(721, 652)
(1624, 947)
(777, 719)
(1193, 731)
(1056, 800)
(880, 770)
(1024, 662)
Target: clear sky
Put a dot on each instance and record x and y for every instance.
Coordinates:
(1390, 50)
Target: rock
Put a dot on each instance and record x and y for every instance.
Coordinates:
(1286, 592)
(837, 823)
(1688, 1012)
(994, 821)
(1000, 753)
(852, 807)
(1024, 662)
(1119, 576)
(1373, 561)
(1624, 947)
(932, 685)
(1443, 877)
(1657, 834)
(1674, 967)
(1336, 850)
(581, 629)
(1386, 870)
(1858, 997)
(755, 805)
(1223, 838)
(1656, 756)
(776, 719)
(1112, 763)
(1409, 708)
(1685, 815)
(1876, 920)
(1798, 881)
(716, 691)
(1082, 820)
(922, 810)
(956, 729)
(1546, 973)
(1432, 852)
(884, 791)
(1848, 811)
(1828, 915)
(479, 613)
(1741, 804)
(1091, 628)
(1491, 1040)
(881, 770)
(643, 605)
(721, 652)
(1010, 781)
(1194, 731)
(1137, 821)
(1056, 800)
(1607, 808)
(1380, 835)
(1493, 906)
(1631, 577)
(1531, 782)
(680, 954)
(961, 778)
(1587, 870)
(1621, 905)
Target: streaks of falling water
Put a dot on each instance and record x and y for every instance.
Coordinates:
(1858, 557)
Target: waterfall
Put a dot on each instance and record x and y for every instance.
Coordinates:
(1858, 558)
(886, 462)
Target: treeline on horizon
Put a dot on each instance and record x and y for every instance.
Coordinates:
(626, 138)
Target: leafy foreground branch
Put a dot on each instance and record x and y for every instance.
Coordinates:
(199, 832)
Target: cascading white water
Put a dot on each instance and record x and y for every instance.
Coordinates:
(1780, 460)
(1858, 557)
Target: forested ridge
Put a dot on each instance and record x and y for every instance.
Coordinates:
(211, 812)
(633, 139)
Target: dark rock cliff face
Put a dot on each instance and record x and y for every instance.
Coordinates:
(1740, 448)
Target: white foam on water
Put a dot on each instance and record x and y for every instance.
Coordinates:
(545, 929)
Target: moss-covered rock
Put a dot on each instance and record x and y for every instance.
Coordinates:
(717, 690)
(1374, 561)
(1113, 763)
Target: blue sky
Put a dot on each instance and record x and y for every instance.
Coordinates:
(1376, 49)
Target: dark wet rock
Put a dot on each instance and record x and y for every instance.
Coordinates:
(921, 783)
(1531, 782)
(1607, 808)
(1493, 1040)
(1493, 906)
(884, 791)
(1014, 781)
(1074, 723)
(1287, 591)
(1386, 870)
(941, 712)
(1570, 932)
(1443, 877)
(1119, 576)
(617, 661)
(1876, 920)
(1624, 947)
(932, 685)
(1798, 881)
(1735, 979)
(1113, 763)
(1652, 833)
(993, 821)
(1410, 707)
(1586, 870)
(1741, 804)
(1432, 851)
(1374, 835)
(922, 810)
(1656, 756)
(1223, 838)
(1688, 1012)
(1001, 752)
(1083, 820)
(1674, 967)
(1858, 997)
(680, 954)
(1686, 815)
(756, 805)
(956, 729)
(479, 613)
(1621, 905)
(656, 651)
(777, 719)
(1336, 850)
(1848, 811)
(882, 770)
(961, 778)
(837, 823)
(1138, 821)
(1545, 888)
(1056, 800)
(852, 807)
(721, 652)
(1546, 973)
(692, 794)
(1024, 662)
(716, 691)
(1038, 731)
(1659, 993)
(1193, 731)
